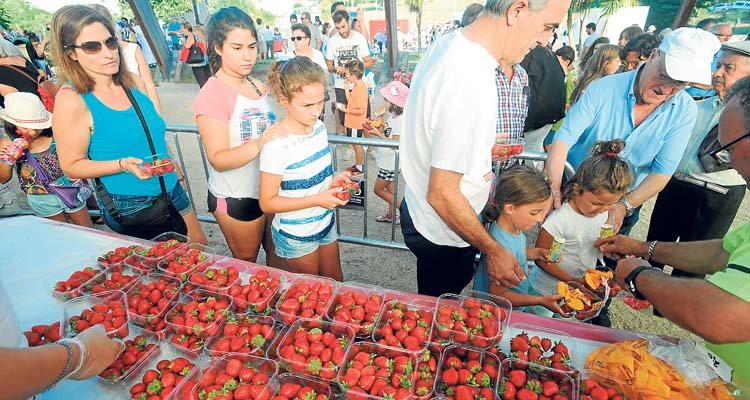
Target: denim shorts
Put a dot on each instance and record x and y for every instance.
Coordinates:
(287, 247)
(132, 204)
(47, 205)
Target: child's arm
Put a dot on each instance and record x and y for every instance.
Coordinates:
(521, 299)
(6, 171)
(544, 240)
(271, 202)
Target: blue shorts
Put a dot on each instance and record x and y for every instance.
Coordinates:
(47, 205)
(287, 247)
(129, 205)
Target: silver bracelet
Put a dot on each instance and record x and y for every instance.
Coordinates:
(651, 248)
(68, 362)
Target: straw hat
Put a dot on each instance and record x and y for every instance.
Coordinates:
(396, 93)
(26, 110)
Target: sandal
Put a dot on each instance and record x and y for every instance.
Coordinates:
(384, 218)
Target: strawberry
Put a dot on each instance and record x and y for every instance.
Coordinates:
(517, 378)
(550, 388)
(598, 393)
(507, 391)
(450, 377)
(561, 349)
(526, 394)
(546, 344)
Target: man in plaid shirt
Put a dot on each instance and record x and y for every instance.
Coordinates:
(512, 105)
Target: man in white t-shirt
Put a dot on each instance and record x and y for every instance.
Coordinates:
(450, 128)
(345, 46)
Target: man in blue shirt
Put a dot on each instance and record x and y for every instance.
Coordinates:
(647, 108)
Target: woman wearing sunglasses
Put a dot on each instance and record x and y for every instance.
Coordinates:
(99, 133)
(301, 39)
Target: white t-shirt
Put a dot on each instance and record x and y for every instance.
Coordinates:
(319, 59)
(341, 51)
(304, 163)
(386, 157)
(451, 123)
(247, 120)
(267, 34)
(578, 254)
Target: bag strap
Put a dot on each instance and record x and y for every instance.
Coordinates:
(35, 165)
(147, 132)
(24, 73)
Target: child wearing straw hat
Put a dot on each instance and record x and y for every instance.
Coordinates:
(30, 148)
(395, 95)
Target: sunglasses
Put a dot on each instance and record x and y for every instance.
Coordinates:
(298, 38)
(722, 154)
(94, 47)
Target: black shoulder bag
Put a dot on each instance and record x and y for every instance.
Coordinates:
(160, 217)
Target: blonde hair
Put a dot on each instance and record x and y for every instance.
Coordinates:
(287, 78)
(594, 69)
(67, 24)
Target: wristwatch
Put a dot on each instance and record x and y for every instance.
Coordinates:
(628, 207)
(630, 280)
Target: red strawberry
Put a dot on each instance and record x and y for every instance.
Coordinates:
(550, 388)
(507, 391)
(526, 394)
(450, 377)
(517, 378)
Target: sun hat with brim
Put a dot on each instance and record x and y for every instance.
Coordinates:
(689, 53)
(25, 110)
(396, 93)
(738, 47)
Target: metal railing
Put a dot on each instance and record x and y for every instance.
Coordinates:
(334, 140)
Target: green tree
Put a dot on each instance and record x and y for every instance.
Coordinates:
(610, 8)
(415, 6)
(22, 15)
(245, 5)
(661, 13)
(164, 9)
(4, 18)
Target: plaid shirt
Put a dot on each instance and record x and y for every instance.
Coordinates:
(512, 104)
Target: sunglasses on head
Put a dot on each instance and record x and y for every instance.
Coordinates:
(94, 47)
(298, 38)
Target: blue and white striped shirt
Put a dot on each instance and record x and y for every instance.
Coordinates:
(304, 163)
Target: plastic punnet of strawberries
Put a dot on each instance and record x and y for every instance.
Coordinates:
(593, 390)
(151, 297)
(217, 279)
(136, 350)
(244, 334)
(236, 377)
(112, 279)
(148, 258)
(295, 387)
(314, 348)
(111, 312)
(405, 326)
(306, 298)
(356, 307)
(255, 296)
(118, 255)
(468, 320)
(43, 334)
(526, 381)
(426, 372)
(542, 351)
(375, 371)
(468, 374)
(161, 382)
(68, 288)
(184, 261)
(199, 315)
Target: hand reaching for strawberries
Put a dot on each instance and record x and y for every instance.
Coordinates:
(133, 165)
(97, 352)
(552, 303)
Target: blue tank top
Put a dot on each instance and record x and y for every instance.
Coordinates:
(119, 134)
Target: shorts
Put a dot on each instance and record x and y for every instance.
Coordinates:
(287, 247)
(386, 175)
(48, 205)
(341, 98)
(358, 133)
(131, 204)
(242, 209)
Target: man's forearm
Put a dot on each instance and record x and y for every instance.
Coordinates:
(556, 163)
(705, 257)
(697, 306)
(25, 372)
(458, 214)
(650, 187)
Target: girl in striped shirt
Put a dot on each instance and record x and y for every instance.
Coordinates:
(296, 173)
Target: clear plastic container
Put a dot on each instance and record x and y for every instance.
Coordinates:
(289, 383)
(139, 293)
(75, 309)
(61, 291)
(508, 147)
(555, 337)
(386, 317)
(149, 257)
(208, 280)
(566, 385)
(597, 303)
(41, 334)
(428, 362)
(369, 296)
(206, 382)
(343, 334)
(179, 263)
(460, 308)
(257, 290)
(620, 387)
(397, 361)
(120, 369)
(465, 355)
(256, 342)
(104, 281)
(307, 283)
(158, 329)
(167, 355)
(158, 164)
(211, 326)
(118, 255)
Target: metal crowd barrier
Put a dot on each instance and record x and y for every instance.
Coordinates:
(175, 130)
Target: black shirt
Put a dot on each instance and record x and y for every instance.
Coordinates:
(547, 88)
(11, 76)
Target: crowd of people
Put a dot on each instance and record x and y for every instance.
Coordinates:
(622, 116)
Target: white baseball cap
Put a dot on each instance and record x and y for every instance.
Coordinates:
(26, 110)
(689, 53)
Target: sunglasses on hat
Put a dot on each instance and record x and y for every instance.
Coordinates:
(94, 46)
